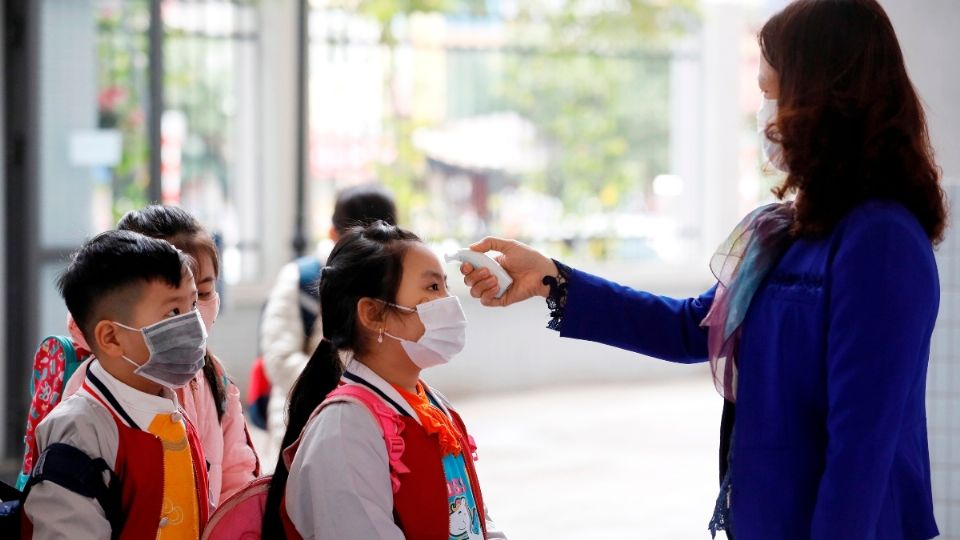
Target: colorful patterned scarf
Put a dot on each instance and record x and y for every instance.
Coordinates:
(740, 265)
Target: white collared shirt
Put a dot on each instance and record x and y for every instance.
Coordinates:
(339, 483)
(140, 406)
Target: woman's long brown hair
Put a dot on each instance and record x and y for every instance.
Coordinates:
(850, 121)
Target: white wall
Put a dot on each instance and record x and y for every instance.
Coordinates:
(930, 41)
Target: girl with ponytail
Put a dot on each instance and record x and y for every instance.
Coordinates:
(387, 315)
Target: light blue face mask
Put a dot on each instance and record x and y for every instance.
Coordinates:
(177, 348)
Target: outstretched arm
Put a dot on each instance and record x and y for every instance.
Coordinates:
(605, 312)
(596, 309)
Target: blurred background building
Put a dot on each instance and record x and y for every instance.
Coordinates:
(616, 136)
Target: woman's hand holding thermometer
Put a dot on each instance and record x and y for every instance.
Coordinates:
(482, 260)
(513, 276)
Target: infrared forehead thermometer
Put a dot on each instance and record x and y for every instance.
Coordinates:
(482, 260)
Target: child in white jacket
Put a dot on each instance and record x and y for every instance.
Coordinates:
(286, 346)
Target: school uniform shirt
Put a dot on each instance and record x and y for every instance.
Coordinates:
(227, 447)
(84, 421)
(339, 484)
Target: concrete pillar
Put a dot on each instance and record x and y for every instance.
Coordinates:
(278, 53)
(3, 225)
(68, 110)
(68, 105)
(724, 23)
(686, 140)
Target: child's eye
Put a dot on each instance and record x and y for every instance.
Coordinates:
(205, 295)
(435, 287)
(173, 312)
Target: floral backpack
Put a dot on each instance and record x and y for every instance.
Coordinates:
(53, 364)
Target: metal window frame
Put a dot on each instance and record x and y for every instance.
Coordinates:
(21, 53)
(24, 255)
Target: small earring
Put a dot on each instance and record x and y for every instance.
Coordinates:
(380, 337)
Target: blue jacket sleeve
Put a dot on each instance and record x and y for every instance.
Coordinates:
(883, 301)
(605, 312)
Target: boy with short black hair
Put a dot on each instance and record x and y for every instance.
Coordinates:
(134, 298)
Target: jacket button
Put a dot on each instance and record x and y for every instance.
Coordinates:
(176, 417)
(164, 522)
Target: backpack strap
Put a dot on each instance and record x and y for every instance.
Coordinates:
(389, 421)
(309, 268)
(71, 468)
(73, 357)
(390, 424)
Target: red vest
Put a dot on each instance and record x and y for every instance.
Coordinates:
(139, 469)
(420, 506)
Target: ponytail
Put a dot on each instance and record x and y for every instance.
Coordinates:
(319, 377)
(367, 262)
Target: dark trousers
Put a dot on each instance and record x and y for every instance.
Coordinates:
(726, 433)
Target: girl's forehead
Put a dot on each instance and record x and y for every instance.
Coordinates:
(419, 256)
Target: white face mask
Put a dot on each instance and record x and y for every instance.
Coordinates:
(177, 346)
(445, 332)
(772, 151)
(209, 310)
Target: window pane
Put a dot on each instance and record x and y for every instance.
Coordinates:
(483, 122)
(209, 129)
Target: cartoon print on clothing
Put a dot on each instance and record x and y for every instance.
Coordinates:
(464, 524)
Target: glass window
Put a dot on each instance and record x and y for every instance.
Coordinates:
(209, 132)
(527, 120)
(123, 98)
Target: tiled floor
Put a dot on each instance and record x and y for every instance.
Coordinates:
(599, 462)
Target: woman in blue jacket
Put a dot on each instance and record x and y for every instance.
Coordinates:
(819, 325)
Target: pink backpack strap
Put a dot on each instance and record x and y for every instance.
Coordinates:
(389, 421)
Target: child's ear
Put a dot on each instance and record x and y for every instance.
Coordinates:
(105, 337)
(371, 313)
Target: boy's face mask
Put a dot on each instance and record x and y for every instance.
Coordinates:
(445, 332)
(177, 349)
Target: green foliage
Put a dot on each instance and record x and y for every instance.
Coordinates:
(592, 77)
(386, 12)
(612, 25)
(605, 121)
(597, 88)
(404, 176)
(123, 95)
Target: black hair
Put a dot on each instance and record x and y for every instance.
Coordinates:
(180, 228)
(367, 262)
(175, 225)
(111, 266)
(362, 205)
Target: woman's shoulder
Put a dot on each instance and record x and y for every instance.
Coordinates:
(883, 233)
(882, 217)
